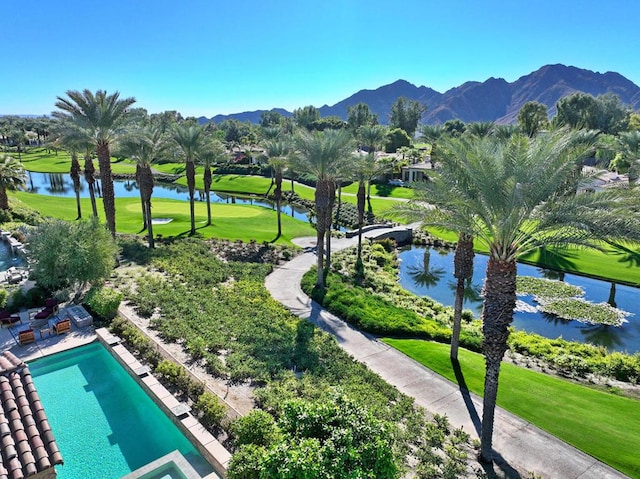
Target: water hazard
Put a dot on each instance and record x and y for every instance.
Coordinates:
(429, 272)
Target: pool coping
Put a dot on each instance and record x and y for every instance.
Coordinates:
(178, 412)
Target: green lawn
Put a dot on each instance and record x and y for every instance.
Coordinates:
(601, 424)
(38, 160)
(387, 191)
(243, 222)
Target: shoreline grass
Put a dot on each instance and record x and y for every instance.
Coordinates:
(596, 422)
(232, 222)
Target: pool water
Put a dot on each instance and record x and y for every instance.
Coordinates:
(430, 273)
(105, 425)
(7, 258)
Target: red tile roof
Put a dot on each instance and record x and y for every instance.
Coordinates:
(26, 440)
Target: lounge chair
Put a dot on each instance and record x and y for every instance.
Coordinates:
(63, 326)
(27, 336)
(8, 319)
(50, 308)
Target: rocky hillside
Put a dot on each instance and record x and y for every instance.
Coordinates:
(492, 100)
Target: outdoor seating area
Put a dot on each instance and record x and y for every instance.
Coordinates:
(9, 319)
(38, 326)
(50, 308)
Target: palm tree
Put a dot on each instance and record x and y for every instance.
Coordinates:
(278, 151)
(69, 140)
(515, 196)
(144, 146)
(213, 152)
(191, 140)
(372, 137)
(103, 117)
(321, 155)
(12, 177)
(90, 178)
(463, 271)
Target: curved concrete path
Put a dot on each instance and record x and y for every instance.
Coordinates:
(519, 446)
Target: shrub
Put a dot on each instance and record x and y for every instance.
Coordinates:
(103, 301)
(258, 427)
(4, 297)
(210, 410)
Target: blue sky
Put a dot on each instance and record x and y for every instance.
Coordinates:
(204, 57)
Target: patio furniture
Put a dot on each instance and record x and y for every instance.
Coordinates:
(8, 319)
(62, 326)
(79, 316)
(26, 336)
(50, 308)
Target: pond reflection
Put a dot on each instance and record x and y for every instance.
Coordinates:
(441, 287)
(60, 184)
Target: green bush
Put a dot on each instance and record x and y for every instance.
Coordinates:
(103, 301)
(258, 427)
(4, 297)
(210, 410)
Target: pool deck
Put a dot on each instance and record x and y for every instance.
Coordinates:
(48, 343)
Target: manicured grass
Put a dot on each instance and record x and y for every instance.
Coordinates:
(613, 264)
(40, 161)
(387, 191)
(596, 422)
(243, 222)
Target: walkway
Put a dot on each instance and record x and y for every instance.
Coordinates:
(519, 446)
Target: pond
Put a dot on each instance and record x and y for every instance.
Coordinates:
(60, 184)
(429, 272)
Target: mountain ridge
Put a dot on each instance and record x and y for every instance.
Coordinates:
(494, 99)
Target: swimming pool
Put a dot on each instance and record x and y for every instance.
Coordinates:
(105, 425)
(7, 258)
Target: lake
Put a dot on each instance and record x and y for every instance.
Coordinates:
(438, 282)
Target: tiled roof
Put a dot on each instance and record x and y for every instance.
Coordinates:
(26, 440)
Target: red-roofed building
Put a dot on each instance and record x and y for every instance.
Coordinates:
(28, 447)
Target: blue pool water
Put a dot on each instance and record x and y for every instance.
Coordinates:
(7, 258)
(105, 425)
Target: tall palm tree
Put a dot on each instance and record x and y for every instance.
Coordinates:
(320, 156)
(278, 151)
(191, 140)
(90, 178)
(144, 146)
(372, 137)
(12, 177)
(104, 117)
(213, 152)
(515, 196)
(463, 271)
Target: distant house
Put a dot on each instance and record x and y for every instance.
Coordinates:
(416, 172)
(603, 179)
(28, 447)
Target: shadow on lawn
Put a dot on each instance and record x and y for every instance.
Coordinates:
(498, 461)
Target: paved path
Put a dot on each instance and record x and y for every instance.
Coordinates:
(519, 446)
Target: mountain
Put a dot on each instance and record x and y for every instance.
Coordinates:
(492, 100)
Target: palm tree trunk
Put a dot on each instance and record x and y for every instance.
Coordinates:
(152, 243)
(143, 203)
(278, 196)
(497, 314)
(75, 177)
(4, 199)
(89, 172)
(463, 266)
(146, 182)
(191, 184)
(328, 221)
(361, 200)
(108, 196)
(322, 206)
(207, 189)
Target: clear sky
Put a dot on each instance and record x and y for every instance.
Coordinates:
(204, 57)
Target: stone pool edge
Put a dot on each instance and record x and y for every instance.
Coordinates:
(206, 444)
